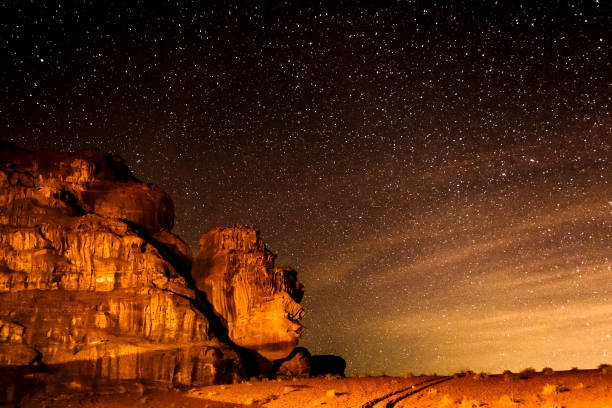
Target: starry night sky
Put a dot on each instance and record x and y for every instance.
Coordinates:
(438, 174)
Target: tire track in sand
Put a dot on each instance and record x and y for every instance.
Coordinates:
(391, 403)
(387, 400)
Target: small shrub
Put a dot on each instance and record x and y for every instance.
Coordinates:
(331, 393)
(480, 376)
(575, 369)
(548, 371)
(509, 376)
(605, 368)
(463, 373)
(527, 373)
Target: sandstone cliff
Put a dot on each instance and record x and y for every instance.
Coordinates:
(256, 302)
(94, 285)
(92, 280)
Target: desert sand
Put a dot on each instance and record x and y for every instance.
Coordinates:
(575, 389)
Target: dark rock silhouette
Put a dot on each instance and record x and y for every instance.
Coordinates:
(297, 364)
(327, 364)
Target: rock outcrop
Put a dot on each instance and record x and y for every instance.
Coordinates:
(257, 303)
(95, 287)
(92, 279)
(297, 364)
(324, 364)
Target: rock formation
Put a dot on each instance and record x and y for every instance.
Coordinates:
(297, 364)
(92, 280)
(257, 303)
(95, 287)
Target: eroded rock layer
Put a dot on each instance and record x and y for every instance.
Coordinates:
(91, 277)
(256, 302)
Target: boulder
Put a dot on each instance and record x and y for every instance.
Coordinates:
(257, 303)
(327, 364)
(297, 364)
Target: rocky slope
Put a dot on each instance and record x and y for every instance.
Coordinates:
(92, 280)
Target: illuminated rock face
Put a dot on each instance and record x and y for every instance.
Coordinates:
(256, 302)
(92, 280)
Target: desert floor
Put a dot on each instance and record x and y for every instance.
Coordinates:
(569, 389)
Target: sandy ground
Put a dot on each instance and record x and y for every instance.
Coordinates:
(569, 389)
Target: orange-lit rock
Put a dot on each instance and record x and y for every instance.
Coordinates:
(257, 303)
(35, 184)
(91, 278)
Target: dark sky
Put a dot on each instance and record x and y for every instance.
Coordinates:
(439, 173)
